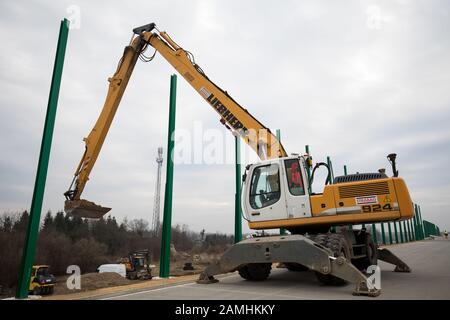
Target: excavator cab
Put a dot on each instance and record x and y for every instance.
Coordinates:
(274, 190)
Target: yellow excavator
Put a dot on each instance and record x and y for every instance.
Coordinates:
(277, 191)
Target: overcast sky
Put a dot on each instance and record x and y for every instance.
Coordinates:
(355, 82)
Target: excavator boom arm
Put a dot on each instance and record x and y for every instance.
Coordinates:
(236, 118)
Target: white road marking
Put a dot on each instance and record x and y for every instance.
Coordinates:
(157, 289)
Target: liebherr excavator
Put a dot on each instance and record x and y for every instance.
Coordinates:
(276, 193)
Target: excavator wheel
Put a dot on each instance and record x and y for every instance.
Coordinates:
(255, 271)
(295, 267)
(371, 257)
(338, 245)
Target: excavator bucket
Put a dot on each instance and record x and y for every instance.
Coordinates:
(84, 209)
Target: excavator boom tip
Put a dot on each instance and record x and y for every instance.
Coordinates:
(84, 209)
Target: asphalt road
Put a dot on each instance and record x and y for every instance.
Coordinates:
(430, 279)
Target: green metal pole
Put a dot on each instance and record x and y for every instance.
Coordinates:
(416, 224)
(374, 233)
(278, 133)
(422, 231)
(405, 228)
(164, 264)
(330, 165)
(41, 175)
(402, 239)
(237, 200)
(395, 232)
(419, 225)
(308, 171)
(408, 224)
(383, 234)
(413, 231)
(390, 233)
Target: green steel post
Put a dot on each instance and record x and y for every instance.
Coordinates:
(422, 231)
(41, 174)
(395, 232)
(308, 171)
(278, 133)
(419, 224)
(416, 224)
(425, 226)
(383, 235)
(390, 233)
(408, 224)
(402, 240)
(237, 199)
(164, 264)
(330, 166)
(374, 233)
(413, 231)
(405, 228)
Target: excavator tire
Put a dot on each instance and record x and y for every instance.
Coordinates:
(255, 271)
(371, 257)
(295, 267)
(338, 245)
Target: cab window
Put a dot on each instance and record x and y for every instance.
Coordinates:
(42, 272)
(265, 186)
(294, 177)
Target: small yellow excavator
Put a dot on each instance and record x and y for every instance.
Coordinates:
(277, 191)
(137, 265)
(42, 281)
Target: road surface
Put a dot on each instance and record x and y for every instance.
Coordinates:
(430, 279)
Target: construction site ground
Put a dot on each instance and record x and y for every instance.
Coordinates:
(430, 279)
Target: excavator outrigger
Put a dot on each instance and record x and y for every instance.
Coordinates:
(277, 191)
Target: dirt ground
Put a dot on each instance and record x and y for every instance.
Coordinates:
(92, 281)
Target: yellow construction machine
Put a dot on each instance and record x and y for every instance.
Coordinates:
(277, 191)
(42, 281)
(137, 265)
